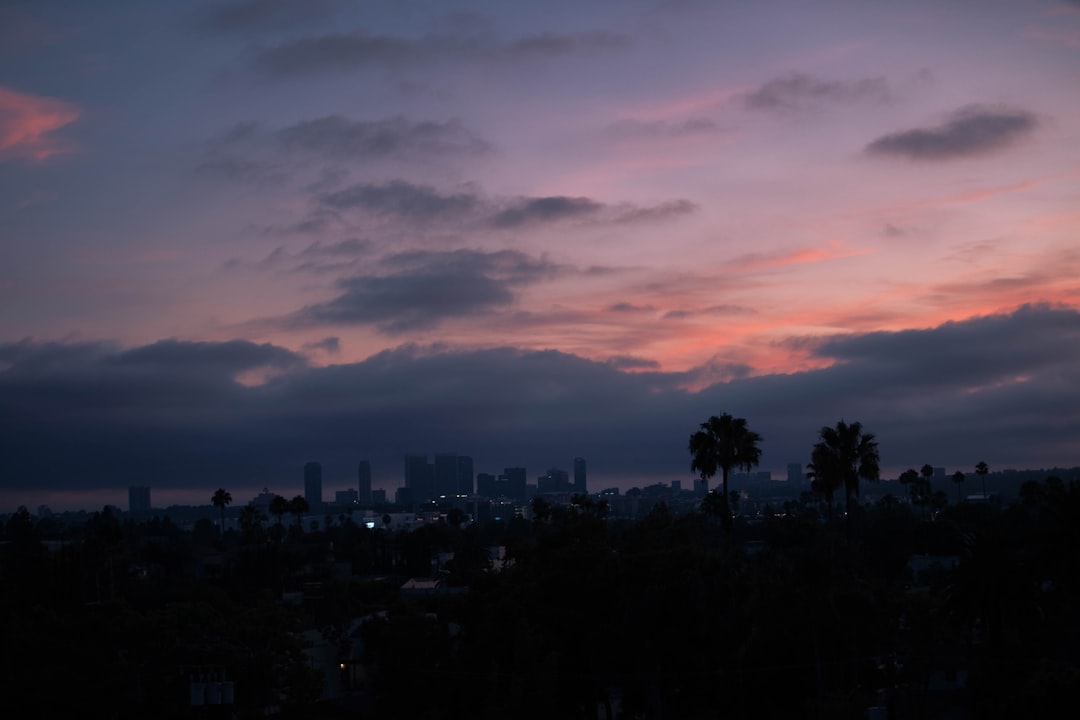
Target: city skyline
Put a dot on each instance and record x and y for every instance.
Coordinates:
(239, 236)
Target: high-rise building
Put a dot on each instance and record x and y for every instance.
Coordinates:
(138, 500)
(419, 477)
(579, 475)
(313, 486)
(485, 485)
(795, 474)
(446, 477)
(364, 478)
(515, 482)
(555, 480)
(464, 475)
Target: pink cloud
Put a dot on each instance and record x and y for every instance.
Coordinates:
(799, 256)
(27, 123)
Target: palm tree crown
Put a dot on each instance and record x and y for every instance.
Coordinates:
(221, 498)
(843, 455)
(723, 443)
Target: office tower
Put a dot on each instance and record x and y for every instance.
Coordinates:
(795, 474)
(138, 500)
(364, 477)
(555, 480)
(446, 474)
(579, 475)
(515, 482)
(485, 485)
(464, 475)
(313, 486)
(378, 497)
(346, 497)
(419, 477)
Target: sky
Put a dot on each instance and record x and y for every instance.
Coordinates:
(239, 236)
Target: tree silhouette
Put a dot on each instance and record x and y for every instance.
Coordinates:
(982, 470)
(713, 505)
(221, 498)
(723, 443)
(251, 521)
(958, 478)
(279, 506)
(843, 455)
(909, 479)
(925, 490)
(298, 506)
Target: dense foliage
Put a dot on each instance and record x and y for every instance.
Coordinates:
(968, 610)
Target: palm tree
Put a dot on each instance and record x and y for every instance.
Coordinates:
(721, 444)
(279, 506)
(298, 506)
(925, 489)
(221, 498)
(909, 479)
(843, 455)
(958, 478)
(250, 522)
(982, 470)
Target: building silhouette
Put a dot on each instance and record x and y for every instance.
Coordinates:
(446, 477)
(419, 477)
(515, 478)
(485, 485)
(795, 474)
(579, 476)
(464, 475)
(313, 485)
(555, 480)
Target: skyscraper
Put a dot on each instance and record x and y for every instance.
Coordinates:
(795, 474)
(555, 480)
(579, 475)
(515, 482)
(364, 478)
(485, 485)
(418, 477)
(446, 478)
(313, 485)
(464, 475)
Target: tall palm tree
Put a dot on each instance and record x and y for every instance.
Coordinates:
(723, 443)
(925, 488)
(909, 479)
(844, 455)
(250, 522)
(221, 498)
(279, 507)
(298, 506)
(982, 470)
(958, 478)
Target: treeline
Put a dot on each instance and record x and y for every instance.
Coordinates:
(804, 613)
(796, 616)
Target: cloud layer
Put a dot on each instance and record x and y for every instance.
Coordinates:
(999, 388)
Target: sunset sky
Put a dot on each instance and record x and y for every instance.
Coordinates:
(238, 236)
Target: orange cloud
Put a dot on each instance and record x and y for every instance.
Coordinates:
(27, 123)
